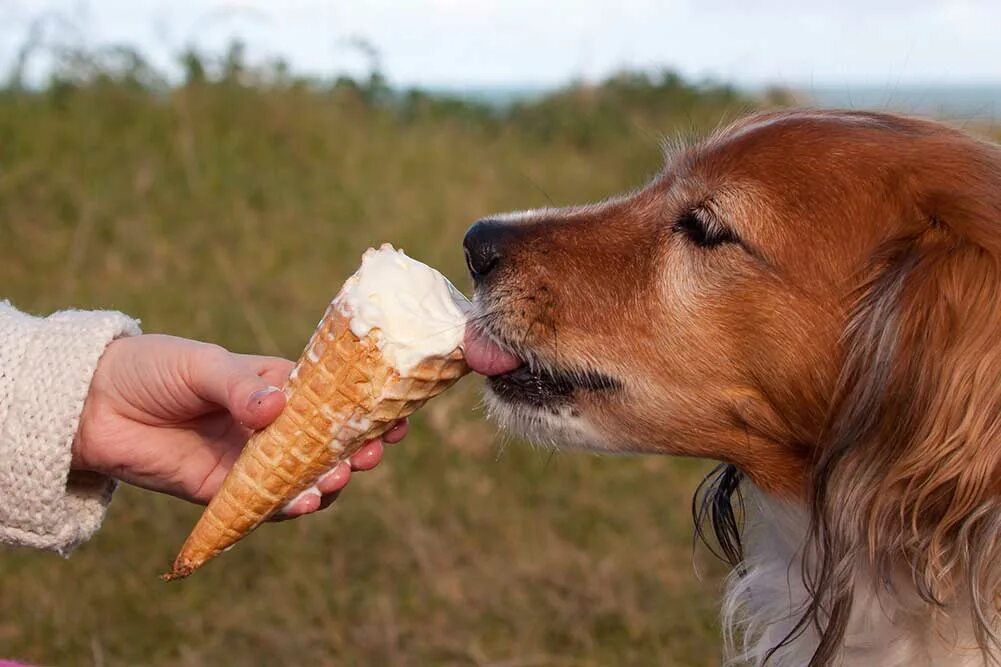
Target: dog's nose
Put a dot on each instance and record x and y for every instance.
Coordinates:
(484, 247)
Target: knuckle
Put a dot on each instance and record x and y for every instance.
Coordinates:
(213, 353)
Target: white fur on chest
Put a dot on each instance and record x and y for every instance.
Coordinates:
(762, 606)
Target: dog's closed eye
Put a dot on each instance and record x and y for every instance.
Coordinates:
(703, 229)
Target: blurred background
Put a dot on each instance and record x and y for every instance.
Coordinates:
(217, 167)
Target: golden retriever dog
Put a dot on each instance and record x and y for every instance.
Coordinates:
(812, 298)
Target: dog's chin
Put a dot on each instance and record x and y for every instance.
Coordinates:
(545, 404)
(560, 426)
(550, 408)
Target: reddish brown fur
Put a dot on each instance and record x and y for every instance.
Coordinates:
(847, 351)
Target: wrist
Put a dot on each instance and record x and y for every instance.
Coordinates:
(81, 459)
(84, 456)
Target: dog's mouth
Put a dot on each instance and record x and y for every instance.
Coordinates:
(518, 376)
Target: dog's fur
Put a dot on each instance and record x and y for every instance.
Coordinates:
(813, 298)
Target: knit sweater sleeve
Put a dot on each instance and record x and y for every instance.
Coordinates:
(46, 365)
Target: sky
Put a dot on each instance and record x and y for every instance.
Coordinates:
(474, 43)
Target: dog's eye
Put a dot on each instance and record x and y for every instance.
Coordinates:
(703, 229)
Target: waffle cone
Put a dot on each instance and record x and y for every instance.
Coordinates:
(341, 394)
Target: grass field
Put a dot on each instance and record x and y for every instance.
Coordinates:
(231, 212)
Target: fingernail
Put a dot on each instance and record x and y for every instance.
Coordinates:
(257, 398)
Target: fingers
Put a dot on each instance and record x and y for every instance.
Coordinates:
(328, 487)
(331, 484)
(245, 385)
(335, 480)
(260, 409)
(309, 502)
(306, 505)
(368, 456)
(397, 433)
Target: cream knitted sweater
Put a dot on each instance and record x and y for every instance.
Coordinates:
(46, 365)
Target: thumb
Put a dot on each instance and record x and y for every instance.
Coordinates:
(261, 408)
(232, 381)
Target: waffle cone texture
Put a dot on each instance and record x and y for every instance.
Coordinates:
(341, 394)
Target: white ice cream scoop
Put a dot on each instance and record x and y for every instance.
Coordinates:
(415, 310)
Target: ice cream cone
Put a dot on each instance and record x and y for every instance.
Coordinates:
(343, 392)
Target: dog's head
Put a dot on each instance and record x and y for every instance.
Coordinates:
(813, 297)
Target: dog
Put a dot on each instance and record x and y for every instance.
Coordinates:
(812, 298)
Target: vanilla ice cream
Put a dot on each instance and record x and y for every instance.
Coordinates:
(413, 310)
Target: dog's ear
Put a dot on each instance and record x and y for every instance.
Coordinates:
(908, 469)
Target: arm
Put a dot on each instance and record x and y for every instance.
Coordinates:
(46, 365)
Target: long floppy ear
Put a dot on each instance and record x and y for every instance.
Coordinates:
(905, 496)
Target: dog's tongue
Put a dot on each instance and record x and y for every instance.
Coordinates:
(485, 357)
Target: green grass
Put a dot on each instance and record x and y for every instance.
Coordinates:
(231, 214)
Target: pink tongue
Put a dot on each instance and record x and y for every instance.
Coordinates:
(485, 357)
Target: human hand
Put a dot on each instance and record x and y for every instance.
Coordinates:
(172, 415)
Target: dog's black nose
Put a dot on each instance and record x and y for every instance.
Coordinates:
(484, 246)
